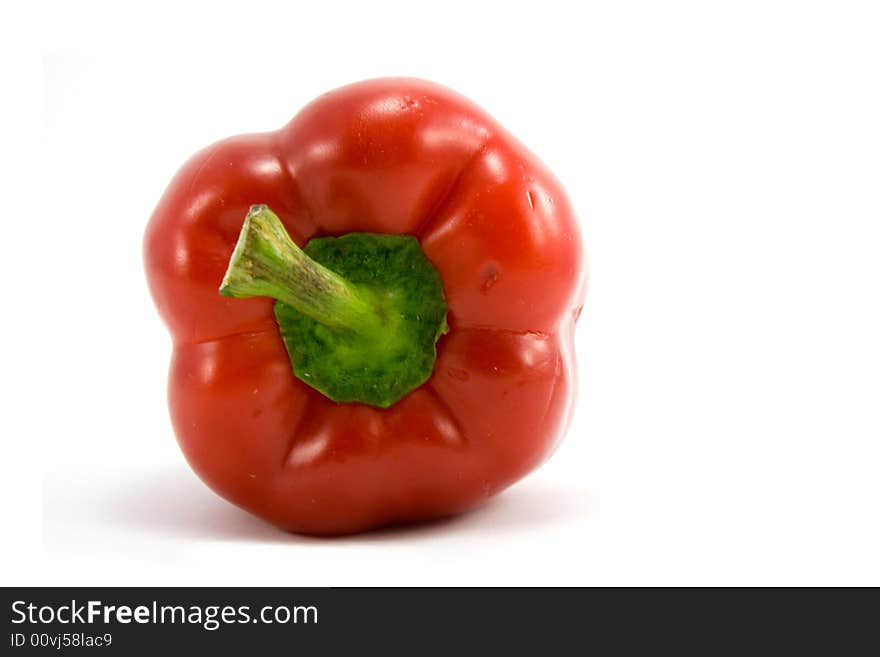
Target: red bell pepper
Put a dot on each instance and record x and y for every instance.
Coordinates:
(395, 378)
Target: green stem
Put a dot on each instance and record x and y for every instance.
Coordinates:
(267, 263)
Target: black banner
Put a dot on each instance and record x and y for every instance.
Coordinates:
(411, 621)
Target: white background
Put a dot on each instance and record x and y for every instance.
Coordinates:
(724, 159)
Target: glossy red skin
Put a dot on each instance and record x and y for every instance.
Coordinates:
(387, 156)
